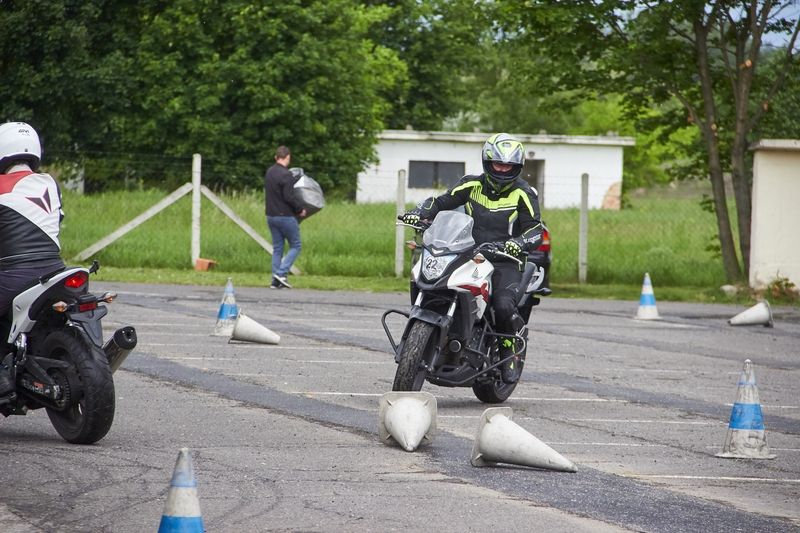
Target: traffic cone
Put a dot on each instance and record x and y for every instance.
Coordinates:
(247, 329)
(182, 509)
(761, 313)
(407, 418)
(228, 311)
(647, 301)
(746, 437)
(499, 440)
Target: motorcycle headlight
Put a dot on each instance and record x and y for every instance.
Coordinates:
(433, 267)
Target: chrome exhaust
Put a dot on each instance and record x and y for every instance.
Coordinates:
(119, 346)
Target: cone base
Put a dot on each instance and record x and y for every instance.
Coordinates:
(729, 455)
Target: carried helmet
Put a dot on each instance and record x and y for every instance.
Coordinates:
(19, 142)
(502, 148)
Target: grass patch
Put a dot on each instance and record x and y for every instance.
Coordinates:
(351, 247)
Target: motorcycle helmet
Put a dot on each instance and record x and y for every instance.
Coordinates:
(502, 148)
(19, 142)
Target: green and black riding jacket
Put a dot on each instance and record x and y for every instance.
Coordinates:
(512, 213)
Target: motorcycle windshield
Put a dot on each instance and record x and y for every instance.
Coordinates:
(451, 231)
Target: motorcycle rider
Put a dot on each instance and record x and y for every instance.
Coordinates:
(30, 219)
(505, 209)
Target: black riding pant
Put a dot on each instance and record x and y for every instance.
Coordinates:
(505, 280)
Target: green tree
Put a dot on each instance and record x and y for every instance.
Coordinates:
(439, 44)
(135, 88)
(703, 54)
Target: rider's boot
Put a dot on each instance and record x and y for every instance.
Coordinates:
(511, 370)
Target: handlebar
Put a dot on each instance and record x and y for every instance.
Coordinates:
(494, 249)
(422, 226)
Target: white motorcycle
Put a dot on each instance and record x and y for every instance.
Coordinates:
(450, 338)
(58, 360)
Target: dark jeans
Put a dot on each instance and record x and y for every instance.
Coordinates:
(284, 229)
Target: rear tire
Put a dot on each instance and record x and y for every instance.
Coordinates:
(87, 418)
(495, 392)
(498, 391)
(410, 374)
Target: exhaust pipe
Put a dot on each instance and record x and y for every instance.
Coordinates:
(119, 346)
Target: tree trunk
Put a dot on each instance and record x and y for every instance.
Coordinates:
(709, 129)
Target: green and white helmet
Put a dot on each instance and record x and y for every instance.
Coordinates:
(502, 148)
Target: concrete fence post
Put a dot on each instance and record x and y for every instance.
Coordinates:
(583, 231)
(196, 165)
(400, 231)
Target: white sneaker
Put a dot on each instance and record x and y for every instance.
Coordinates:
(282, 281)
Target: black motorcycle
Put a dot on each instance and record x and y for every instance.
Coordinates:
(58, 360)
(450, 337)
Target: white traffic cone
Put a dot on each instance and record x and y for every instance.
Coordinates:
(182, 509)
(746, 438)
(228, 311)
(247, 329)
(760, 314)
(499, 440)
(407, 417)
(647, 301)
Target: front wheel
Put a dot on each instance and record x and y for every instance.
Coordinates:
(88, 417)
(410, 373)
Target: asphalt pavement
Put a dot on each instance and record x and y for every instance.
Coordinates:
(285, 437)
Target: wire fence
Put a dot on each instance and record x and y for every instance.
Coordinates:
(667, 232)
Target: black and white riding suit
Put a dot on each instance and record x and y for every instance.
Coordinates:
(30, 219)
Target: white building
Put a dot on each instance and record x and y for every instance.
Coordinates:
(435, 160)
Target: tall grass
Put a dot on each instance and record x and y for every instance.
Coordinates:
(667, 238)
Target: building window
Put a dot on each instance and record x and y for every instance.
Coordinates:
(434, 174)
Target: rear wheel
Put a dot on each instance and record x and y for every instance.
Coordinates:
(88, 417)
(498, 391)
(410, 373)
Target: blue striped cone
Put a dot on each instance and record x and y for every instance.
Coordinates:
(228, 311)
(182, 509)
(647, 301)
(746, 437)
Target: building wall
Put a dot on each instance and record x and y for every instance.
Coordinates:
(775, 244)
(565, 159)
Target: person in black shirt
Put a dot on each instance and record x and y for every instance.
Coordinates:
(30, 220)
(283, 213)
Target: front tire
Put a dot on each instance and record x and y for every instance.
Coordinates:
(87, 418)
(410, 374)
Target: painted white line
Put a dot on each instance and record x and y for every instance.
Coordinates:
(343, 362)
(601, 400)
(315, 393)
(660, 325)
(621, 444)
(632, 421)
(771, 449)
(717, 478)
(272, 347)
(768, 406)
(164, 324)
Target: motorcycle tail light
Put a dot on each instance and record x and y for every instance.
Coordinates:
(545, 246)
(77, 280)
